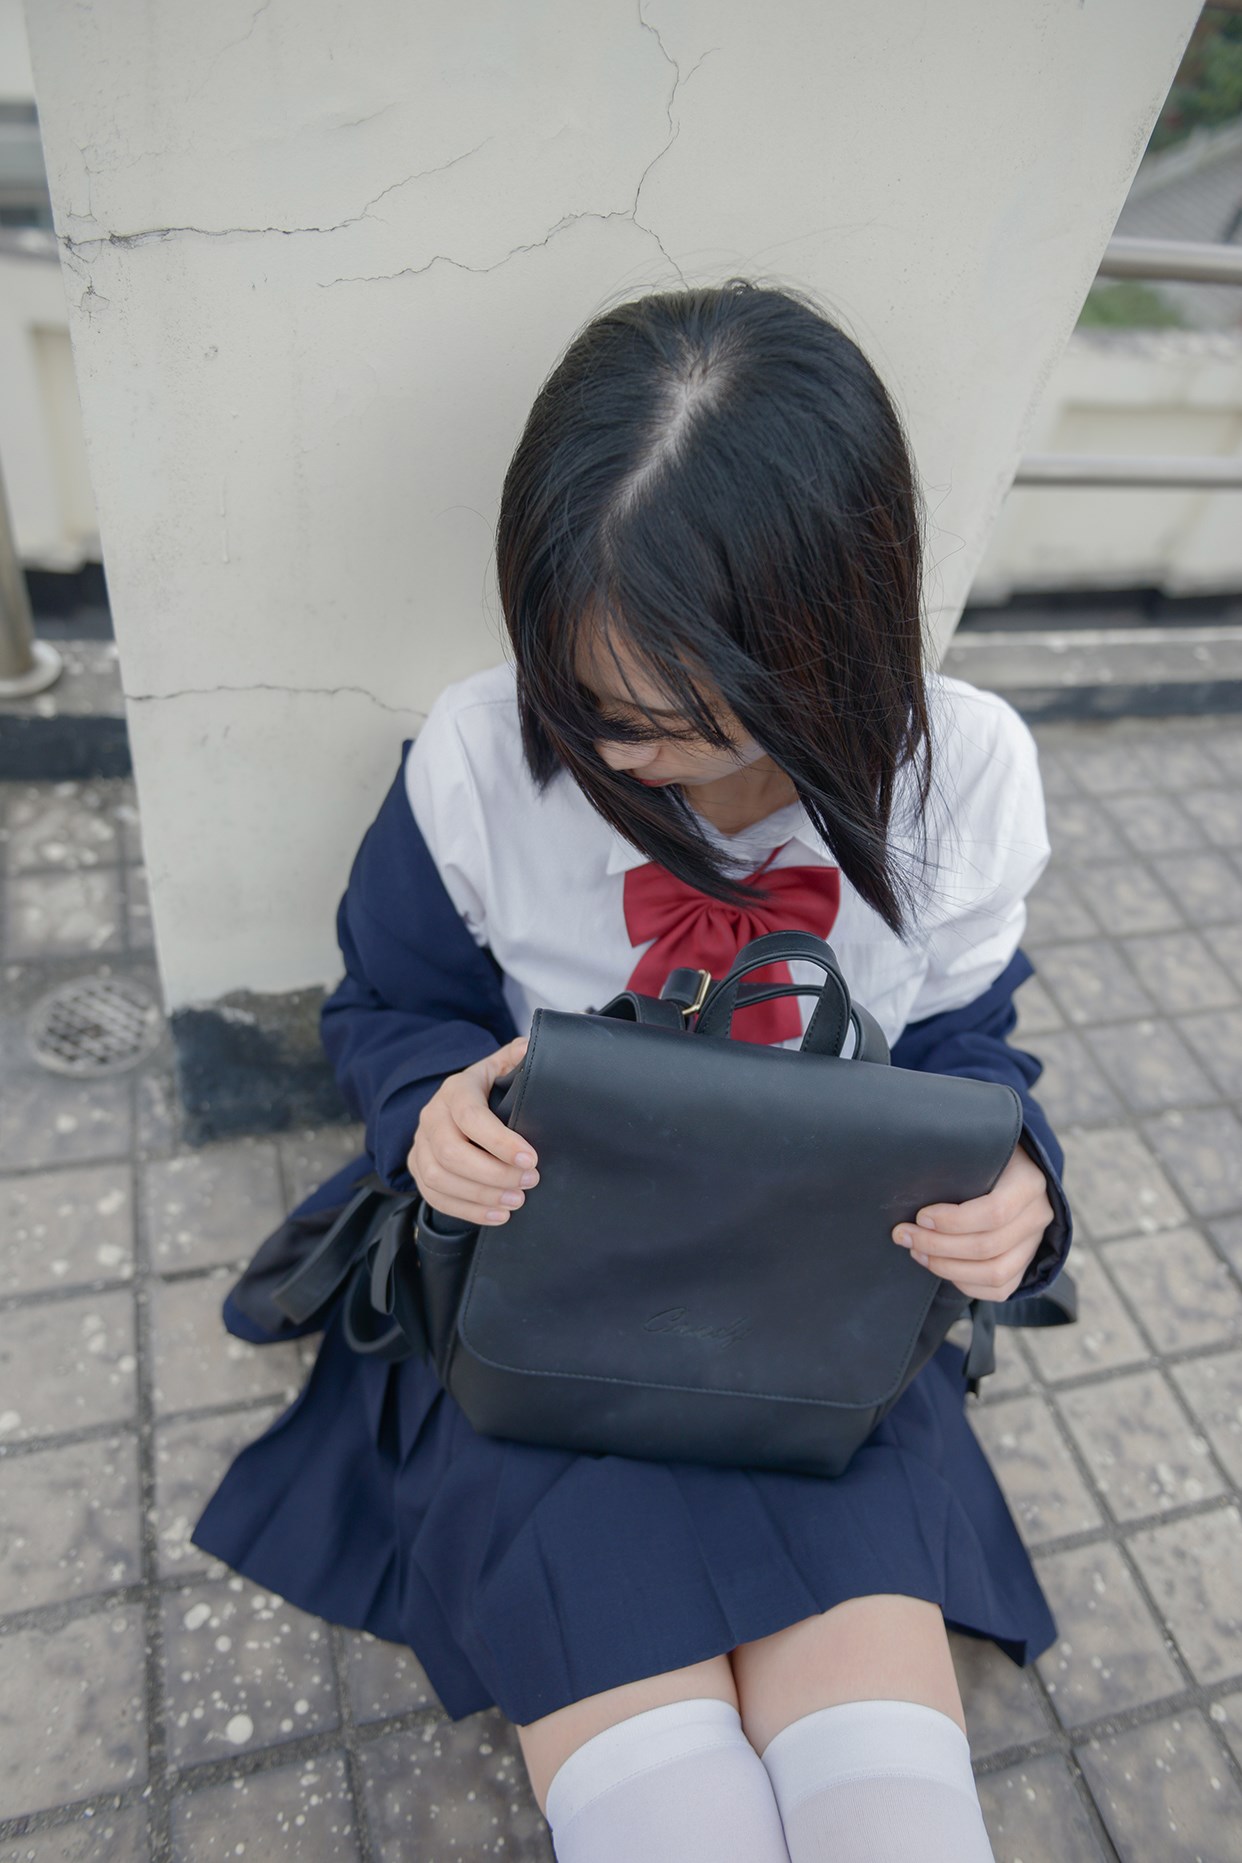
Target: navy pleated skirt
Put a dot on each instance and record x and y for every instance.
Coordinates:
(529, 1578)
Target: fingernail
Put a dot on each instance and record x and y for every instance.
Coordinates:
(498, 1216)
(925, 1222)
(527, 1179)
(921, 1259)
(524, 1157)
(903, 1238)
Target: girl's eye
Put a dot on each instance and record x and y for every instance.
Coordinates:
(642, 733)
(623, 730)
(639, 730)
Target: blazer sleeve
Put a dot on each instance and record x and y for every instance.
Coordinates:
(972, 1040)
(421, 997)
(988, 845)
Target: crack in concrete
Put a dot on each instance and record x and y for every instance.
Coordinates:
(78, 247)
(232, 45)
(570, 219)
(326, 692)
(674, 128)
(356, 122)
(90, 298)
(444, 258)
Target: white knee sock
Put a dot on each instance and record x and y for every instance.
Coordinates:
(676, 1784)
(877, 1782)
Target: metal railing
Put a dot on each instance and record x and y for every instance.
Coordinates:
(1187, 261)
(1205, 471)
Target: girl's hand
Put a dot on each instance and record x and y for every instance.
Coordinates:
(464, 1160)
(984, 1246)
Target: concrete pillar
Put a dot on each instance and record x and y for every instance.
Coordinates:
(320, 254)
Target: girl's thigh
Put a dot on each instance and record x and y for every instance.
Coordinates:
(879, 1648)
(547, 1743)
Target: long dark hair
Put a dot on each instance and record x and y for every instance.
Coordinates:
(720, 476)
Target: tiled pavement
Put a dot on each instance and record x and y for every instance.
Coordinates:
(155, 1706)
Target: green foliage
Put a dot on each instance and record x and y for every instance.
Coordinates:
(1208, 87)
(1128, 302)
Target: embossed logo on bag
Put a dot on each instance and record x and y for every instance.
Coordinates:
(674, 1320)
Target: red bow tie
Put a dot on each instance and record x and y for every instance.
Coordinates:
(693, 929)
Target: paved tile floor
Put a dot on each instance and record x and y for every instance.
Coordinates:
(155, 1706)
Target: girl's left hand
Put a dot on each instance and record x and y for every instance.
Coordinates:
(984, 1246)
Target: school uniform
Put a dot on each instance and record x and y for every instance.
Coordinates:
(530, 1577)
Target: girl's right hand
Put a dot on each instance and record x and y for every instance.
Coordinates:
(465, 1161)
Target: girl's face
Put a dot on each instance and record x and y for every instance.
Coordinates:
(677, 758)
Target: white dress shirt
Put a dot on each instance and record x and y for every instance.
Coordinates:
(539, 878)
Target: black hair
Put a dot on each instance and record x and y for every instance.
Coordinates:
(719, 475)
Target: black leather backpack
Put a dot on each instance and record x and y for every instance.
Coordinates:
(705, 1271)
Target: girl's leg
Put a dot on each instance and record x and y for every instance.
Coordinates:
(657, 1770)
(858, 1720)
(885, 1648)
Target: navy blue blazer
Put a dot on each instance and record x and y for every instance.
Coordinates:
(420, 999)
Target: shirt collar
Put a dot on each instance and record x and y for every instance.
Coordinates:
(623, 854)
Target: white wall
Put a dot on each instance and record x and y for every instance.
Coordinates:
(45, 469)
(320, 256)
(16, 79)
(1175, 392)
(51, 507)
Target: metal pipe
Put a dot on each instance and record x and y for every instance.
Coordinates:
(1223, 473)
(27, 665)
(1192, 261)
(16, 628)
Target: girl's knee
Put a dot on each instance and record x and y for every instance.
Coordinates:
(548, 1742)
(885, 1647)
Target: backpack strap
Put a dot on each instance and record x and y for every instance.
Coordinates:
(685, 991)
(1056, 1306)
(315, 1278)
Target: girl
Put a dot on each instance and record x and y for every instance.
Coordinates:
(717, 722)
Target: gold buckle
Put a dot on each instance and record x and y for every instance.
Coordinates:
(705, 984)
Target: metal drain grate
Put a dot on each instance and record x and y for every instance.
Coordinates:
(96, 1025)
